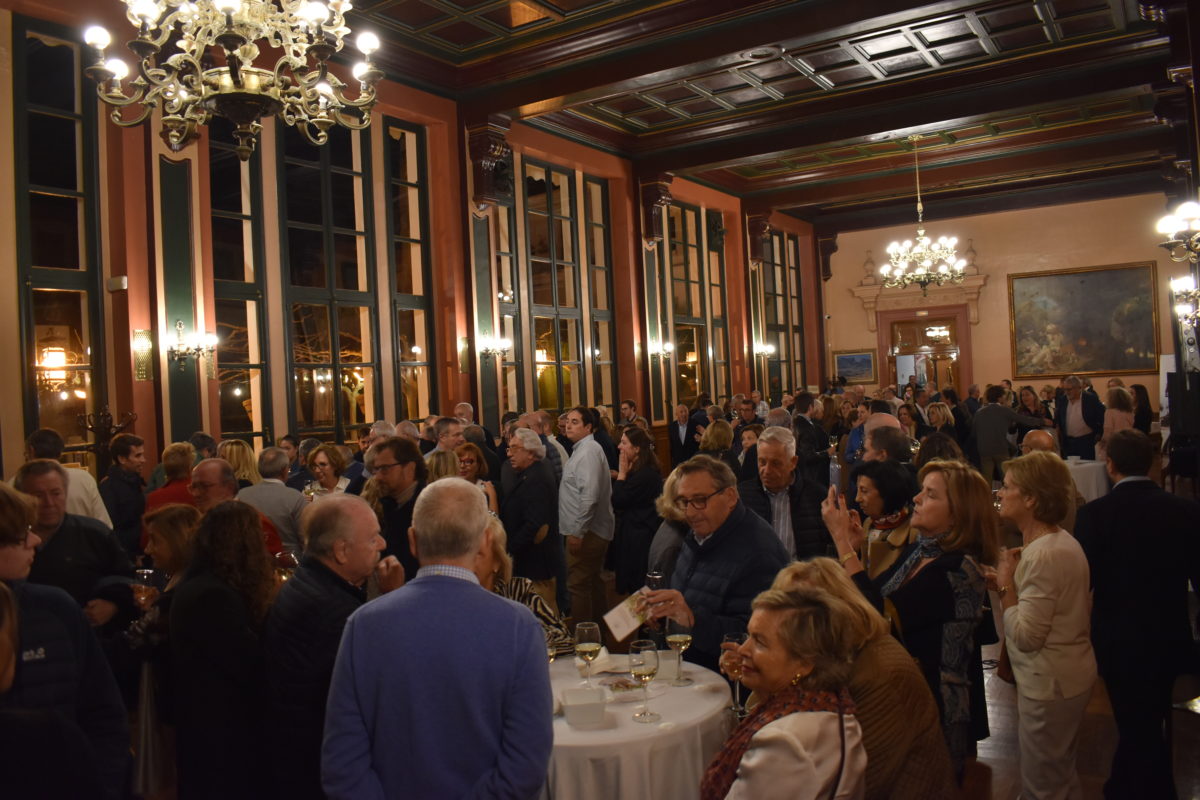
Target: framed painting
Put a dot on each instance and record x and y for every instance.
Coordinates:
(1087, 321)
(856, 366)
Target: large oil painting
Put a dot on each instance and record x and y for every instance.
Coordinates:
(1089, 321)
(856, 366)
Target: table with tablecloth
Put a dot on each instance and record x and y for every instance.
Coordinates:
(1090, 477)
(621, 758)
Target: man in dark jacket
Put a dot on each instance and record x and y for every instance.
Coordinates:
(682, 435)
(729, 555)
(399, 470)
(1079, 416)
(122, 490)
(812, 442)
(1141, 629)
(785, 499)
(304, 628)
(529, 512)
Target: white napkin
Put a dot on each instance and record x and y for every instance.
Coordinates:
(605, 662)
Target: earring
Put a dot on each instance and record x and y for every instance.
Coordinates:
(796, 680)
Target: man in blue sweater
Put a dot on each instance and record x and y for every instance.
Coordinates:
(441, 688)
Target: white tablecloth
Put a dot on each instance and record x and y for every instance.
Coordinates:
(664, 760)
(1090, 478)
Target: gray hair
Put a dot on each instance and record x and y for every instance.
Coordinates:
(780, 436)
(720, 472)
(272, 461)
(226, 475)
(451, 527)
(36, 469)
(530, 441)
(306, 447)
(408, 429)
(328, 521)
(779, 418)
(383, 429)
(1072, 380)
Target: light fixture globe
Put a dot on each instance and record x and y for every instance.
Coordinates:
(1182, 229)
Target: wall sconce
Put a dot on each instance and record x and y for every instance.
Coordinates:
(1186, 299)
(761, 349)
(143, 349)
(492, 346)
(506, 297)
(196, 345)
(663, 350)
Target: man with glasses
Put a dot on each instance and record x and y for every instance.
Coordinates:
(729, 555)
(213, 482)
(1080, 419)
(585, 515)
(399, 474)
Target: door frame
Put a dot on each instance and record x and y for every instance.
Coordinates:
(962, 324)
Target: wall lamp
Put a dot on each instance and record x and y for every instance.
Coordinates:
(195, 345)
(492, 346)
(143, 355)
(663, 350)
(761, 349)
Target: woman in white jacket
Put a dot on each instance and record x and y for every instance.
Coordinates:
(802, 740)
(1043, 588)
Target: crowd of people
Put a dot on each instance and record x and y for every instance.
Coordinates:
(317, 620)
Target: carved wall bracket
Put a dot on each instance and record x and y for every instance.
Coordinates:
(491, 164)
(656, 195)
(875, 298)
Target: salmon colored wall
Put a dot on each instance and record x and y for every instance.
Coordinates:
(1094, 233)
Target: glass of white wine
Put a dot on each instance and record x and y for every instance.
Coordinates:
(679, 638)
(587, 646)
(643, 666)
(731, 665)
(551, 649)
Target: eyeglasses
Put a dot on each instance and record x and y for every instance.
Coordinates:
(698, 503)
(384, 467)
(201, 487)
(466, 462)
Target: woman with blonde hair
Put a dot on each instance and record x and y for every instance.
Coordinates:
(1118, 415)
(241, 458)
(933, 594)
(901, 730)
(668, 539)
(442, 464)
(1044, 590)
(941, 420)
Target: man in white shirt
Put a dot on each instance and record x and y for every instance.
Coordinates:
(83, 496)
(585, 515)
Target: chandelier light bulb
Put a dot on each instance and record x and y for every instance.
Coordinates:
(118, 68)
(146, 10)
(360, 69)
(315, 13)
(1184, 309)
(1189, 210)
(1185, 284)
(367, 43)
(1170, 225)
(227, 6)
(97, 37)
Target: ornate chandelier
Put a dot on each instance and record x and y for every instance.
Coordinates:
(924, 261)
(212, 66)
(1182, 230)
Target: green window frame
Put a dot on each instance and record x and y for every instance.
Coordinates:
(605, 385)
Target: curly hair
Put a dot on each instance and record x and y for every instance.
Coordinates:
(229, 543)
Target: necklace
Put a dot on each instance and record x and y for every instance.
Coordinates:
(1034, 535)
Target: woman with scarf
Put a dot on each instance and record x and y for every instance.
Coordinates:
(885, 493)
(933, 594)
(802, 740)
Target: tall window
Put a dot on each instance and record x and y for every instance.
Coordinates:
(688, 303)
(595, 195)
(504, 264)
(780, 349)
(325, 206)
(404, 153)
(57, 224)
(550, 234)
(236, 201)
(715, 250)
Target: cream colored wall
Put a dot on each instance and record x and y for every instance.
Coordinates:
(1086, 234)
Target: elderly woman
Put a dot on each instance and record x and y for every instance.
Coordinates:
(472, 468)
(902, 734)
(495, 573)
(327, 464)
(909, 416)
(933, 594)
(668, 539)
(1044, 590)
(530, 513)
(802, 740)
(885, 493)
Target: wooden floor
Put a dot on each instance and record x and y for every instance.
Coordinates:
(996, 774)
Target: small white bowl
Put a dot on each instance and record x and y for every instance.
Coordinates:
(583, 707)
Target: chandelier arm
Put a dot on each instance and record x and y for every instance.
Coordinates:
(115, 97)
(119, 119)
(350, 121)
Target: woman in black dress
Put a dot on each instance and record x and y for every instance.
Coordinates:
(639, 483)
(1142, 412)
(216, 623)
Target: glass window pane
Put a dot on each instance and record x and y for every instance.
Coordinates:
(306, 255)
(237, 332)
(314, 393)
(539, 236)
(354, 324)
(304, 199)
(566, 286)
(350, 261)
(344, 194)
(562, 194)
(55, 238)
(341, 149)
(409, 272)
(568, 341)
(232, 257)
(545, 344)
(410, 333)
(406, 210)
(600, 289)
(597, 247)
(53, 148)
(225, 180)
(298, 147)
(403, 156)
(572, 385)
(564, 240)
(310, 334)
(51, 72)
(60, 402)
(504, 243)
(543, 283)
(357, 396)
(241, 393)
(414, 392)
(594, 199)
(510, 377)
(535, 188)
(62, 353)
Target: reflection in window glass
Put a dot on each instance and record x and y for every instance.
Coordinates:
(310, 334)
(63, 356)
(353, 326)
(315, 397)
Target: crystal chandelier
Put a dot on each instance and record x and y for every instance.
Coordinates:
(1182, 230)
(212, 67)
(924, 261)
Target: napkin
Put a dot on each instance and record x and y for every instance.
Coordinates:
(605, 662)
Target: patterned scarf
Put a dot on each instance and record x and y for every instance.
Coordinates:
(891, 521)
(925, 547)
(722, 772)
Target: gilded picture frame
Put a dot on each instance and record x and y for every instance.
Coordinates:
(856, 366)
(1099, 320)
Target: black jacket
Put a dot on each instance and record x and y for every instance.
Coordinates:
(721, 578)
(606, 443)
(84, 559)
(812, 538)
(682, 451)
(1093, 413)
(61, 669)
(122, 492)
(300, 643)
(637, 521)
(812, 442)
(397, 519)
(219, 691)
(529, 502)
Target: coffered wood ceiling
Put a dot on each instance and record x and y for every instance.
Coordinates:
(805, 106)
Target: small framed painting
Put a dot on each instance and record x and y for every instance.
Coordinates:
(856, 366)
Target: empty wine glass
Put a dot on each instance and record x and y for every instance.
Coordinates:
(731, 665)
(587, 647)
(679, 638)
(643, 666)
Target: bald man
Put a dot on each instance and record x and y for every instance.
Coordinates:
(880, 420)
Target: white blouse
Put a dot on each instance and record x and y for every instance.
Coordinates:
(797, 758)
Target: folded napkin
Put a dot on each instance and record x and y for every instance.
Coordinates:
(605, 662)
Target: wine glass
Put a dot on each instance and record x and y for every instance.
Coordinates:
(587, 647)
(143, 587)
(731, 665)
(551, 650)
(643, 666)
(679, 638)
